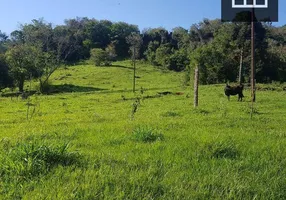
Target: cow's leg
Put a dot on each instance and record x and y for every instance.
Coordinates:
(240, 97)
(228, 97)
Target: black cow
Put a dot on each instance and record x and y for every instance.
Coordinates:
(234, 90)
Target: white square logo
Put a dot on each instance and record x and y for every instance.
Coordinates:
(249, 3)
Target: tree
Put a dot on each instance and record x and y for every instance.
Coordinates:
(3, 37)
(119, 32)
(21, 64)
(38, 33)
(219, 59)
(181, 37)
(39, 37)
(5, 79)
(219, 47)
(3, 40)
(98, 33)
(17, 37)
(214, 63)
(203, 32)
(65, 43)
(277, 59)
(160, 35)
(135, 42)
(76, 35)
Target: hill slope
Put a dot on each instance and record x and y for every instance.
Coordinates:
(158, 148)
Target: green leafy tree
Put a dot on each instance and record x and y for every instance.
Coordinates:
(181, 37)
(160, 35)
(203, 32)
(76, 35)
(214, 62)
(37, 33)
(17, 37)
(5, 79)
(98, 33)
(119, 32)
(3, 40)
(21, 60)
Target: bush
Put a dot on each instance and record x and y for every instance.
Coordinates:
(100, 57)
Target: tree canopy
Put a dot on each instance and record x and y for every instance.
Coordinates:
(215, 47)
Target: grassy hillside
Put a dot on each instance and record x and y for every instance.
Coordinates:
(82, 142)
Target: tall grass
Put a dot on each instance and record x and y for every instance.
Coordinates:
(24, 162)
(146, 134)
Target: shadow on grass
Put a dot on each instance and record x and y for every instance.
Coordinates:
(121, 66)
(69, 88)
(138, 90)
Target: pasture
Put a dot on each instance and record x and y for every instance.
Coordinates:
(82, 141)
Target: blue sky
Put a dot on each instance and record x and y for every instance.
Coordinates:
(144, 13)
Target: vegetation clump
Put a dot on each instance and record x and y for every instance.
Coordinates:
(29, 160)
(223, 150)
(171, 114)
(99, 57)
(146, 135)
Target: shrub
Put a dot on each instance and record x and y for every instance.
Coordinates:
(99, 57)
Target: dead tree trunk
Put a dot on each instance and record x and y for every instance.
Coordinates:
(240, 67)
(134, 71)
(253, 95)
(196, 88)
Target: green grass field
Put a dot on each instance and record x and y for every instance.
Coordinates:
(83, 142)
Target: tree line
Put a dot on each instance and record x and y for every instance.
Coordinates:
(37, 49)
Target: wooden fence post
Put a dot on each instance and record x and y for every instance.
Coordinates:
(196, 88)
